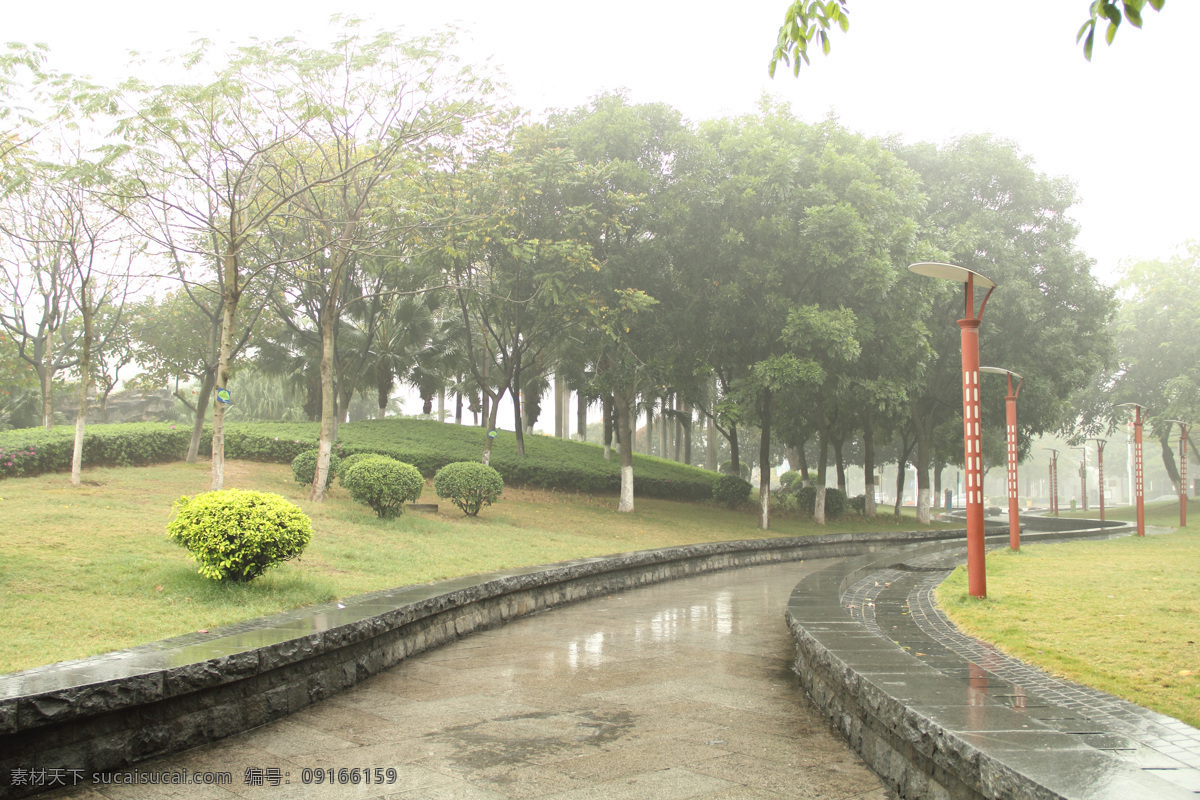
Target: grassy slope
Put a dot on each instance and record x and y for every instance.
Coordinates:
(1119, 615)
(87, 570)
(428, 445)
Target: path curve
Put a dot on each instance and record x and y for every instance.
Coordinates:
(678, 690)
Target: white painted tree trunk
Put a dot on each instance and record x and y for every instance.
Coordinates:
(924, 497)
(819, 505)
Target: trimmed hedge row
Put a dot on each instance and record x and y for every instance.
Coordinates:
(32, 451)
(549, 463)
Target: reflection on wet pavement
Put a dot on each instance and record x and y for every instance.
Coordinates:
(679, 690)
(898, 605)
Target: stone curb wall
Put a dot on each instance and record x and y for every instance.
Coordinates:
(107, 712)
(904, 731)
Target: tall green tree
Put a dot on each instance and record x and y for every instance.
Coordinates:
(632, 151)
(990, 210)
(517, 262)
(1157, 346)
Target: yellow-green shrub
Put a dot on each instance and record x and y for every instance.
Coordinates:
(236, 535)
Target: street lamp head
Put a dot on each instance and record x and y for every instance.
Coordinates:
(951, 272)
(1001, 371)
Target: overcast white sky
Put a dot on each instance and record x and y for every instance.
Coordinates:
(1122, 127)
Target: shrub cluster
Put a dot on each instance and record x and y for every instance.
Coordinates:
(793, 477)
(236, 535)
(470, 485)
(726, 468)
(384, 484)
(805, 500)
(33, 451)
(732, 491)
(427, 445)
(548, 462)
(304, 467)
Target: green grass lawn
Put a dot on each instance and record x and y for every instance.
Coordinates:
(1121, 615)
(88, 570)
(1164, 514)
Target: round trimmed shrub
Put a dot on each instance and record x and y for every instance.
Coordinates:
(732, 491)
(304, 467)
(349, 461)
(792, 476)
(726, 468)
(384, 484)
(858, 504)
(836, 503)
(470, 485)
(236, 535)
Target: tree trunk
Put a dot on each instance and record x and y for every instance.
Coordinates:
(937, 484)
(607, 410)
(869, 468)
(458, 408)
(47, 376)
(231, 297)
(85, 380)
(623, 403)
(328, 403)
(664, 425)
(686, 408)
(802, 465)
(441, 404)
(559, 420)
(906, 447)
(489, 424)
(764, 461)
(735, 461)
(649, 431)
(516, 400)
(924, 456)
(1168, 457)
(710, 444)
(839, 461)
(822, 468)
(207, 381)
(484, 398)
(581, 416)
(676, 431)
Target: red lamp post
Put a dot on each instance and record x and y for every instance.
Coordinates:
(1100, 464)
(1138, 419)
(1083, 477)
(1053, 481)
(1010, 437)
(969, 325)
(1183, 459)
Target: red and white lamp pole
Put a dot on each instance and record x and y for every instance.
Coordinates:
(1183, 459)
(1100, 465)
(1139, 417)
(1010, 438)
(1083, 477)
(969, 326)
(1053, 481)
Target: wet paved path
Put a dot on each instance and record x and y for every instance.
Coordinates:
(679, 690)
(898, 604)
